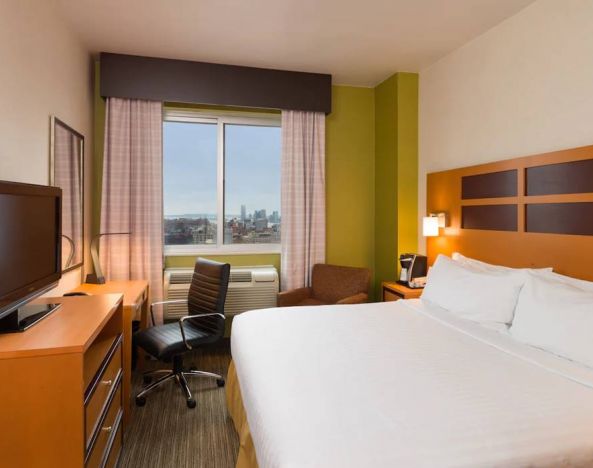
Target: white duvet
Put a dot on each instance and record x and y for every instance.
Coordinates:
(402, 384)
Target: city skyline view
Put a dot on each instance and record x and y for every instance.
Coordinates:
(251, 182)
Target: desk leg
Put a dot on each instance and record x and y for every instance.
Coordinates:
(144, 323)
(127, 365)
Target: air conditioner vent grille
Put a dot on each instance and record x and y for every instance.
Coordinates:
(241, 276)
(179, 277)
(245, 291)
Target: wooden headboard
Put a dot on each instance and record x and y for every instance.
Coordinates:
(534, 211)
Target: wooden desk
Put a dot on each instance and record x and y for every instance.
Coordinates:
(135, 308)
(60, 392)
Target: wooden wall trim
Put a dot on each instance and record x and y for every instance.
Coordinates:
(169, 80)
(567, 243)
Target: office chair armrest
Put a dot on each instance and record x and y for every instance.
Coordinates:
(194, 317)
(175, 301)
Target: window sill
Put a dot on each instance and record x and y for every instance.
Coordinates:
(184, 251)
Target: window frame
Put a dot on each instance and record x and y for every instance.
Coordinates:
(220, 118)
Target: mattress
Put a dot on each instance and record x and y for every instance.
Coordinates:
(404, 384)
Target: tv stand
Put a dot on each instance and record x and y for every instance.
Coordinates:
(25, 317)
(61, 387)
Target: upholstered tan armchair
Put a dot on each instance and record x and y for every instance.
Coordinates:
(331, 284)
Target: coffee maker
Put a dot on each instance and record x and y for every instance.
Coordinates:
(413, 266)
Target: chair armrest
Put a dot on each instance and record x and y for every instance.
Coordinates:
(293, 297)
(176, 301)
(195, 317)
(359, 298)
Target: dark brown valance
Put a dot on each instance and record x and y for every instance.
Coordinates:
(168, 80)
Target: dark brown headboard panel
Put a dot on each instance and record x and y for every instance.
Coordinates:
(490, 185)
(534, 211)
(489, 217)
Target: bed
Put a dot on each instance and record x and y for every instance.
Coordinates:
(408, 383)
(314, 394)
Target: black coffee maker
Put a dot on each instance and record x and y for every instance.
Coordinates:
(413, 266)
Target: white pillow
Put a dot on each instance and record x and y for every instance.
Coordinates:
(556, 317)
(488, 267)
(567, 280)
(479, 296)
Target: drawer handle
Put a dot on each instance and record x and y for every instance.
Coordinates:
(109, 383)
(107, 429)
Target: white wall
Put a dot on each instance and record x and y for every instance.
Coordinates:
(524, 87)
(44, 70)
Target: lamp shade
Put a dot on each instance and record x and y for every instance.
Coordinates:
(430, 226)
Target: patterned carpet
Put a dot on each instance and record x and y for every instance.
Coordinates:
(165, 433)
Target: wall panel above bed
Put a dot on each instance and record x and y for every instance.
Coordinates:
(533, 211)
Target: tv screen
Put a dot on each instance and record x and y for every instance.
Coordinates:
(30, 241)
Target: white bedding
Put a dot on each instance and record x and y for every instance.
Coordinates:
(404, 384)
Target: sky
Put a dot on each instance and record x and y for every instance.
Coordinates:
(252, 168)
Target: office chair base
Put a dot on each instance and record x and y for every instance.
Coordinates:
(147, 376)
(196, 373)
(179, 375)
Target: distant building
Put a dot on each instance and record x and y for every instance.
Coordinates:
(228, 235)
(260, 214)
(261, 224)
(243, 213)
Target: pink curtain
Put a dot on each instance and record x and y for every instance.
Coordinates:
(303, 196)
(132, 197)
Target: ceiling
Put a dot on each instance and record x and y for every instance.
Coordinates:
(359, 42)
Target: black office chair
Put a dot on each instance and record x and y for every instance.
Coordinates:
(203, 324)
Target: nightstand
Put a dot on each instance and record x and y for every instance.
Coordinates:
(394, 292)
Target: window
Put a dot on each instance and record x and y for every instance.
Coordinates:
(221, 183)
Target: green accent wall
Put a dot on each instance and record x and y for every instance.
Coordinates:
(396, 173)
(407, 163)
(350, 177)
(385, 181)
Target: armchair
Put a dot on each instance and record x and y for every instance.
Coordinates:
(330, 284)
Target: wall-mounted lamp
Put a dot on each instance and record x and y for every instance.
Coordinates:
(430, 226)
(432, 223)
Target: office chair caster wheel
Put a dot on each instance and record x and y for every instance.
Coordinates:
(220, 382)
(140, 401)
(146, 379)
(191, 403)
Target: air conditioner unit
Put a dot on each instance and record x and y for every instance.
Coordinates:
(249, 288)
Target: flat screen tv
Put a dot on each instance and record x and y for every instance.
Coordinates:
(30, 256)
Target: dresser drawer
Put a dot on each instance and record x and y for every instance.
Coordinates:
(114, 449)
(101, 390)
(107, 434)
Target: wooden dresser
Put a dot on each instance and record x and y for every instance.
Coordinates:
(61, 387)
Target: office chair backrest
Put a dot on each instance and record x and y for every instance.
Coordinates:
(207, 294)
